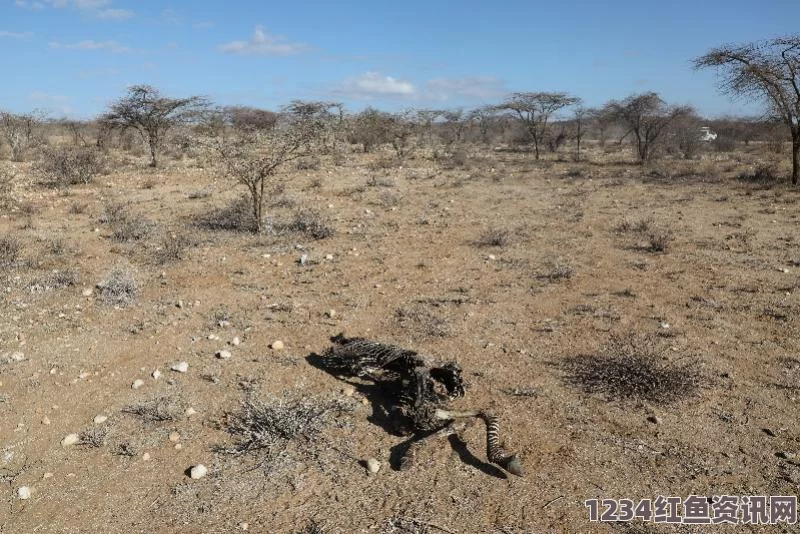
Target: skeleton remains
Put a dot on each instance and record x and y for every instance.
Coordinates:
(418, 391)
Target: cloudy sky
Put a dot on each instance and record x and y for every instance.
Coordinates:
(72, 57)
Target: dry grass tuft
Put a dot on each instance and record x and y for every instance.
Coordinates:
(632, 368)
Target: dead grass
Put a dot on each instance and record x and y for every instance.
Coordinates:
(94, 437)
(493, 237)
(119, 287)
(158, 409)
(632, 368)
(313, 224)
(10, 249)
(267, 428)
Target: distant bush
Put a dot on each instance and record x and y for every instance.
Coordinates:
(237, 216)
(64, 166)
(125, 226)
(10, 248)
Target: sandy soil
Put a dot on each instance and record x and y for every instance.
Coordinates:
(412, 264)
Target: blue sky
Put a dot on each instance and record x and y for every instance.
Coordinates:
(73, 57)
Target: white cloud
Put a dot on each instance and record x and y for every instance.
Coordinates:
(15, 35)
(29, 5)
(53, 103)
(114, 14)
(471, 87)
(90, 4)
(89, 44)
(374, 84)
(263, 43)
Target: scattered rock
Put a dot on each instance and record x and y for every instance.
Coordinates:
(178, 446)
(16, 357)
(190, 411)
(174, 437)
(330, 314)
(213, 337)
(373, 465)
(235, 341)
(665, 326)
(146, 456)
(491, 257)
(156, 374)
(180, 367)
(223, 354)
(24, 492)
(137, 383)
(349, 391)
(198, 471)
(70, 439)
(47, 475)
(100, 419)
(244, 525)
(329, 257)
(45, 420)
(87, 292)
(277, 345)
(224, 324)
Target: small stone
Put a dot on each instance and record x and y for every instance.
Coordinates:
(47, 475)
(349, 391)
(235, 341)
(224, 324)
(156, 374)
(178, 446)
(70, 439)
(53, 371)
(84, 375)
(364, 401)
(244, 525)
(277, 345)
(213, 337)
(174, 437)
(180, 367)
(303, 259)
(24, 492)
(146, 456)
(198, 471)
(223, 354)
(330, 314)
(654, 419)
(373, 465)
(45, 420)
(491, 257)
(87, 292)
(190, 411)
(329, 257)
(665, 326)
(100, 419)
(137, 383)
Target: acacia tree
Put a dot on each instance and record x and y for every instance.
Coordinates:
(151, 114)
(768, 70)
(535, 109)
(254, 156)
(646, 117)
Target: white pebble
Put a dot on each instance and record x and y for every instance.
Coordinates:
(329, 257)
(198, 471)
(244, 525)
(223, 354)
(47, 475)
(180, 367)
(213, 337)
(373, 465)
(70, 439)
(174, 436)
(87, 292)
(137, 383)
(156, 374)
(24, 492)
(100, 419)
(490, 257)
(235, 341)
(190, 411)
(146, 456)
(277, 345)
(45, 420)
(331, 314)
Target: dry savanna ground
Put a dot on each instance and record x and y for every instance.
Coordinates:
(634, 328)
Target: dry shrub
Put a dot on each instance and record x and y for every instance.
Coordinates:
(120, 287)
(632, 368)
(10, 248)
(271, 429)
(125, 226)
(312, 223)
(65, 166)
(158, 409)
(237, 216)
(493, 237)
